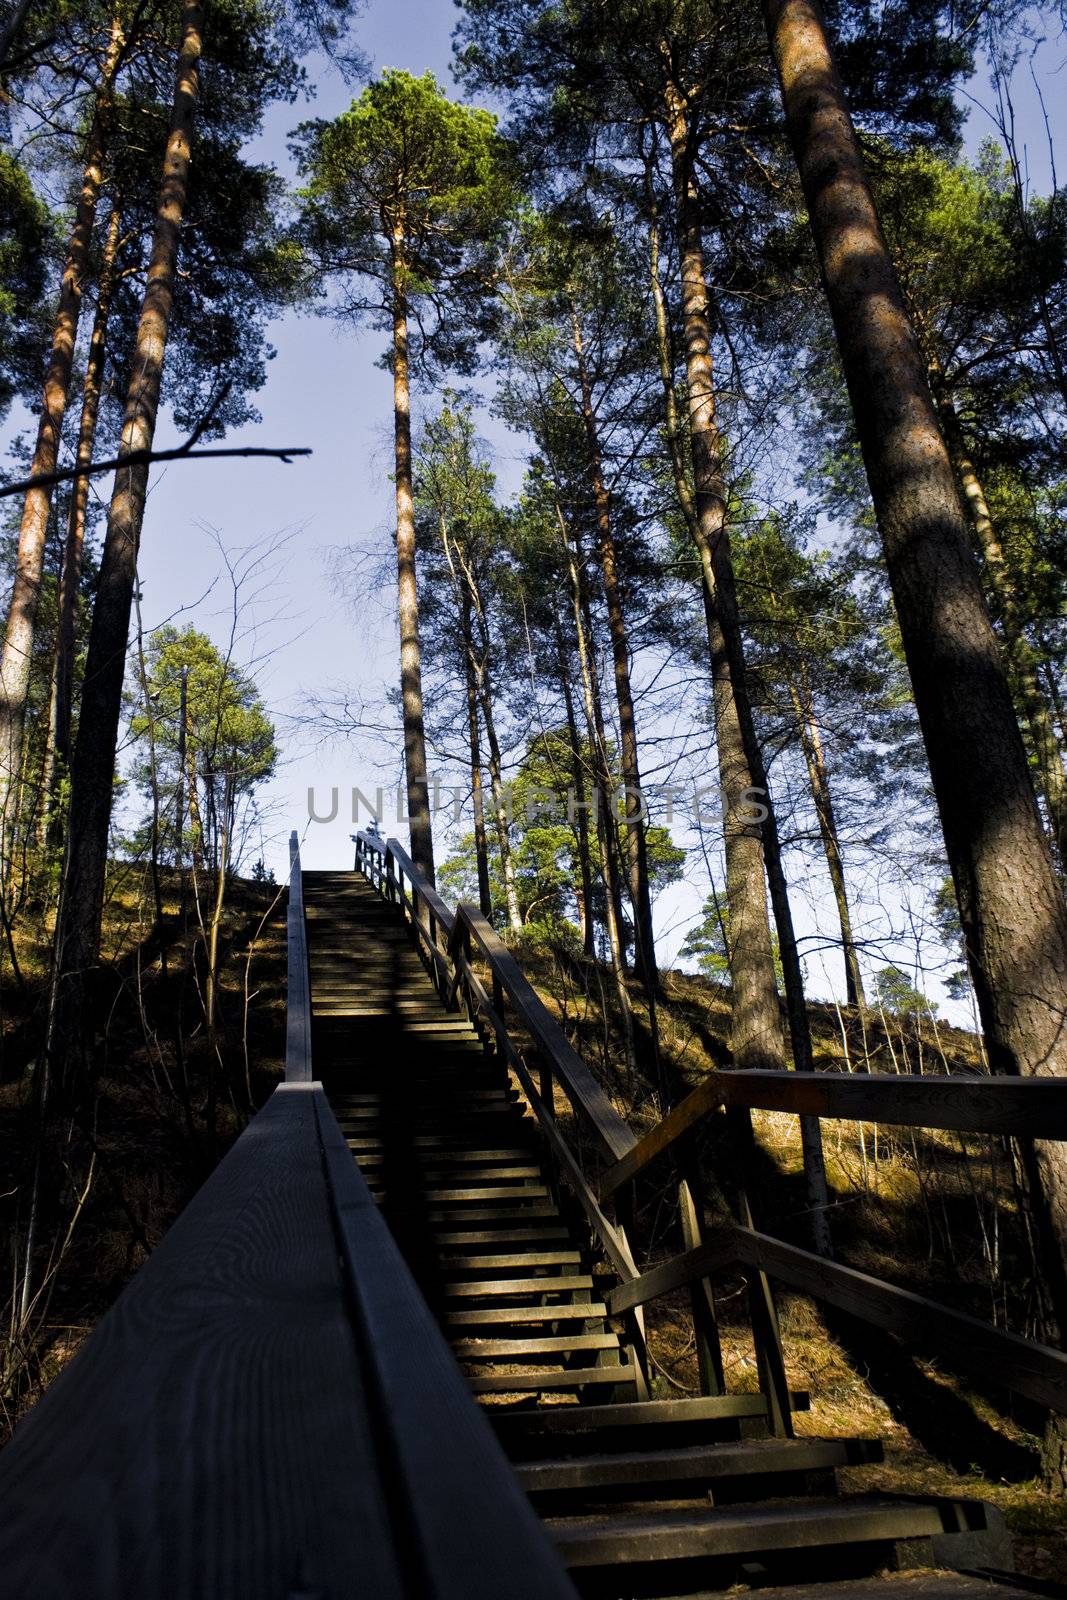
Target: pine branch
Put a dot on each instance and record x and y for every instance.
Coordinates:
(148, 458)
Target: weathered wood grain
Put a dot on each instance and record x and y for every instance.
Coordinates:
(466, 1526)
(213, 1436)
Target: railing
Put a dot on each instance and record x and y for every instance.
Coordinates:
(1027, 1108)
(448, 941)
(298, 1010)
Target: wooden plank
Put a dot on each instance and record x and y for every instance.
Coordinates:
(1020, 1364)
(663, 1535)
(1021, 1106)
(636, 1414)
(298, 1067)
(213, 1435)
(715, 1255)
(1032, 1369)
(445, 1461)
(695, 1463)
(553, 1379)
(703, 1100)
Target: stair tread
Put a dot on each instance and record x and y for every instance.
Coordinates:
(666, 1534)
(489, 1316)
(545, 1380)
(644, 1413)
(498, 1349)
(507, 1286)
(687, 1462)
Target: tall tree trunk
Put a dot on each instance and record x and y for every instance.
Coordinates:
(1011, 905)
(581, 819)
(481, 850)
(605, 826)
(1032, 702)
(418, 793)
(17, 649)
(78, 928)
(819, 783)
(501, 808)
(13, 28)
(756, 1027)
(61, 697)
(636, 842)
(756, 1031)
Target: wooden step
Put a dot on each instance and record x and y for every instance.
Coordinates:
(551, 1380)
(487, 1238)
(491, 1316)
(559, 1420)
(694, 1463)
(517, 1259)
(502, 1349)
(516, 1191)
(501, 1288)
(916, 1585)
(669, 1535)
(476, 1215)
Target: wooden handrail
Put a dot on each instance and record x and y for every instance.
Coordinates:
(272, 1359)
(1018, 1106)
(1023, 1365)
(298, 1067)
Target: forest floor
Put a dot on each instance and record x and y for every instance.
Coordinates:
(166, 1103)
(932, 1211)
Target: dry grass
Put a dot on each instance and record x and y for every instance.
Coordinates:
(935, 1212)
(164, 1105)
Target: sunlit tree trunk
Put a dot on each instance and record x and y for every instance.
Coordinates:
(819, 783)
(756, 1030)
(604, 821)
(418, 795)
(481, 849)
(1033, 705)
(1011, 904)
(581, 812)
(78, 928)
(629, 764)
(60, 702)
(17, 651)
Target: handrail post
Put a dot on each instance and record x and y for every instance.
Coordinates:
(763, 1315)
(298, 982)
(701, 1294)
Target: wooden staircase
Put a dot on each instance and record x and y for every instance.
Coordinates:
(642, 1496)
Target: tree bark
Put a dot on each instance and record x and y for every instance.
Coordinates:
(756, 1031)
(581, 820)
(78, 928)
(629, 764)
(17, 649)
(1032, 702)
(418, 795)
(1011, 905)
(481, 850)
(819, 782)
(14, 27)
(756, 1028)
(605, 828)
(61, 697)
(501, 815)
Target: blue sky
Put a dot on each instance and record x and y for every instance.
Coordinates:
(303, 635)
